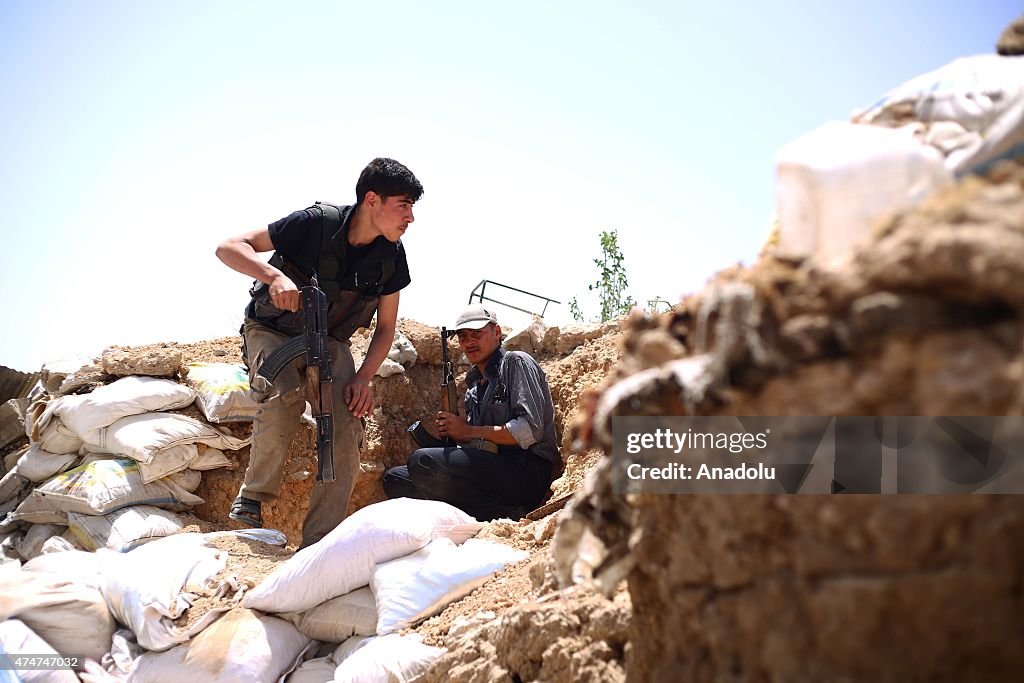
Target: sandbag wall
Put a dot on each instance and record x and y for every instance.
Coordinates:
(109, 468)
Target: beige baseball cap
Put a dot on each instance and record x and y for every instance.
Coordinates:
(475, 317)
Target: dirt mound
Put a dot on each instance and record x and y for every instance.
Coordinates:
(927, 320)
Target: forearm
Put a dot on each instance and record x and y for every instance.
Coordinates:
(498, 434)
(380, 346)
(241, 256)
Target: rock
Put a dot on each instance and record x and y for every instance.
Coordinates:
(574, 335)
(561, 642)
(426, 341)
(53, 373)
(389, 367)
(549, 343)
(402, 351)
(158, 362)
(538, 330)
(85, 376)
(520, 340)
(1011, 42)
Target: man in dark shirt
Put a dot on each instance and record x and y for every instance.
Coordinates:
(507, 454)
(361, 267)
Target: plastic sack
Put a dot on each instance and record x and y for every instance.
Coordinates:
(124, 529)
(241, 646)
(98, 488)
(344, 559)
(352, 614)
(412, 588)
(833, 183)
(222, 391)
(143, 437)
(979, 101)
(151, 586)
(86, 413)
(72, 618)
(17, 638)
(31, 544)
(38, 465)
(384, 658)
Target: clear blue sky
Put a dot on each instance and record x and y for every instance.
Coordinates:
(137, 135)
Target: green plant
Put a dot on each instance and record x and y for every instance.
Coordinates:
(611, 282)
(574, 310)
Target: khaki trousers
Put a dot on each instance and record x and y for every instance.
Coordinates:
(277, 419)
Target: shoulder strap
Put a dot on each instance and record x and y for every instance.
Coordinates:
(331, 264)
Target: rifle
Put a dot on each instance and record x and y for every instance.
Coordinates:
(319, 380)
(449, 404)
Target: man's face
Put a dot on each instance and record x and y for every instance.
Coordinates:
(390, 215)
(478, 345)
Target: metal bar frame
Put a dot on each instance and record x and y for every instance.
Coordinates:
(482, 287)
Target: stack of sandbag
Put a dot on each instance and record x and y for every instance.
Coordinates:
(835, 183)
(313, 604)
(387, 567)
(108, 468)
(73, 602)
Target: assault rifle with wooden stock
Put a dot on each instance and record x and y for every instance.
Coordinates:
(449, 404)
(319, 380)
(449, 401)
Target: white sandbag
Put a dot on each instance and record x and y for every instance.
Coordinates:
(58, 544)
(141, 437)
(99, 488)
(352, 614)
(13, 486)
(43, 427)
(124, 529)
(982, 96)
(38, 464)
(72, 618)
(345, 558)
(189, 480)
(17, 638)
(31, 544)
(168, 461)
(177, 459)
(80, 567)
(241, 646)
(412, 588)
(117, 665)
(209, 459)
(319, 670)
(87, 413)
(222, 391)
(833, 183)
(391, 658)
(149, 587)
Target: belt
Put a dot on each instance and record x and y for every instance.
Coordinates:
(481, 444)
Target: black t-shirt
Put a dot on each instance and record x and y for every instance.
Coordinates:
(297, 237)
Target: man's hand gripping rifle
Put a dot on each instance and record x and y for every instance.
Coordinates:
(319, 379)
(449, 401)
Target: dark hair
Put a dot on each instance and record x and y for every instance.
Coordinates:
(388, 178)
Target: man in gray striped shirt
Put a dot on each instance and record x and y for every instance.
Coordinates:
(507, 454)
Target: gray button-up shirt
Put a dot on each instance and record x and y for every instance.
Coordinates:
(515, 395)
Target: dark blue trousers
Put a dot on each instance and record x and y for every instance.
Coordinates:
(483, 484)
